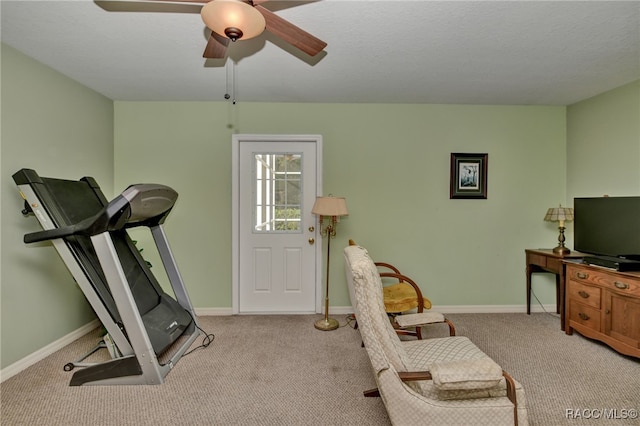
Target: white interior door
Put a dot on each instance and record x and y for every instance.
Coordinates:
(276, 257)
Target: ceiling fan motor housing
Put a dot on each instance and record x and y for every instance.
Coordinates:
(233, 33)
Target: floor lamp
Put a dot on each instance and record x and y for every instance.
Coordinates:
(333, 207)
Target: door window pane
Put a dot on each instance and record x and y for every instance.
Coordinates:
(278, 192)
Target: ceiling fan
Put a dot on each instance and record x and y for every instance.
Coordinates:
(244, 19)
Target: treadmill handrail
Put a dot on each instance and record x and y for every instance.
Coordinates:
(52, 234)
(138, 205)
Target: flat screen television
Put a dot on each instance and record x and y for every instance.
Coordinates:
(607, 226)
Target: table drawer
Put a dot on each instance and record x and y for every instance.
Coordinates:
(584, 294)
(537, 259)
(554, 264)
(546, 262)
(585, 315)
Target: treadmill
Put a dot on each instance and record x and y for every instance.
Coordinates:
(151, 329)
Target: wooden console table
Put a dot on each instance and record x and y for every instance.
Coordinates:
(545, 260)
(604, 304)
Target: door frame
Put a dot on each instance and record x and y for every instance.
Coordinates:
(236, 140)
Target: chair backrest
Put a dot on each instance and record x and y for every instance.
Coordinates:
(349, 275)
(375, 327)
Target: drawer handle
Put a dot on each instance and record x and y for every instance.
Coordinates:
(583, 316)
(621, 285)
(582, 275)
(583, 294)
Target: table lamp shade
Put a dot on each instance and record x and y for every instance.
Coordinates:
(559, 214)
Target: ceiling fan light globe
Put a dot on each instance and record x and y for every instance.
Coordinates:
(222, 15)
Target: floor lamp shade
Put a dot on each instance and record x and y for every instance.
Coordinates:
(330, 206)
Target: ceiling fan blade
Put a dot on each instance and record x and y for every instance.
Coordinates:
(216, 47)
(291, 34)
(180, 1)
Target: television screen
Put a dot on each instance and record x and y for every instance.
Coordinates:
(608, 226)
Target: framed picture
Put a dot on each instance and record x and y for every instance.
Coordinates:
(468, 175)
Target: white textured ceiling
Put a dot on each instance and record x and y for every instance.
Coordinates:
(399, 51)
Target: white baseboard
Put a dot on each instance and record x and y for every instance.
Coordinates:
(447, 309)
(41, 354)
(340, 310)
(213, 312)
(491, 309)
(466, 309)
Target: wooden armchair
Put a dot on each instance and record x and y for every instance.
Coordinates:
(404, 302)
(405, 296)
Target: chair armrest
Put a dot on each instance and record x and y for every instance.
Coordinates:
(409, 376)
(389, 266)
(511, 394)
(404, 278)
(405, 376)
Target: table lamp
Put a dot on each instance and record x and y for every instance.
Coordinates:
(561, 215)
(333, 207)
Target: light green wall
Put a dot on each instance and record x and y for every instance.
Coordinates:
(61, 129)
(391, 162)
(603, 144)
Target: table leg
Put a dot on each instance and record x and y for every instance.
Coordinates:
(561, 295)
(528, 289)
(558, 301)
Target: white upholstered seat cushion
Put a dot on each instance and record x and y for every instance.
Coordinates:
(413, 320)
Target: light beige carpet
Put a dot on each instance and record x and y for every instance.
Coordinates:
(279, 370)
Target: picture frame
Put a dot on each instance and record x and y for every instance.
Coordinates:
(468, 175)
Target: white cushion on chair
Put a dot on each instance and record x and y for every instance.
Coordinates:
(412, 320)
(466, 374)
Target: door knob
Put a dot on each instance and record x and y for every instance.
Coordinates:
(311, 241)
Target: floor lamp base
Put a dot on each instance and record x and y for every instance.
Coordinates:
(326, 324)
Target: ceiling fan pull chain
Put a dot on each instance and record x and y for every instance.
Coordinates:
(235, 84)
(227, 72)
(231, 71)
